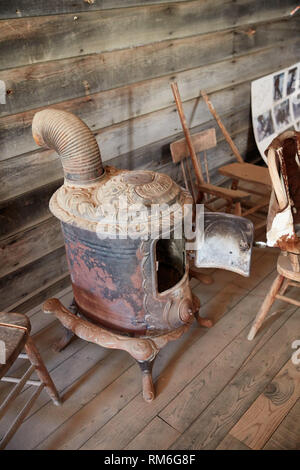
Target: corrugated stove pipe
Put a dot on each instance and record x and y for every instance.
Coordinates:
(73, 141)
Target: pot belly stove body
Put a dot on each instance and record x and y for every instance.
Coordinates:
(130, 292)
(131, 289)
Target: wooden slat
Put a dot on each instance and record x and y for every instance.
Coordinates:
(28, 181)
(287, 435)
(247, 172)
(53, 81)
(67, 435)
(157, 435)
(230, 443)
(123, 28)
(210, 428)
(36, 85)
(123, 427)
(19, 284)
(103, 109)
(19, 250)
(266, 413)
(226, 193)
(44, 167)
(31, 208)
(109, 29)
(25, 8)
(27, 210)
(201, 141)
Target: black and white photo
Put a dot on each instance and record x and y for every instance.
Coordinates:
(264, 125)
(291, 80)
(278, 86)
(282, 114)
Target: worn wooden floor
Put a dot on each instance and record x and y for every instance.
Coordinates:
(215, 389)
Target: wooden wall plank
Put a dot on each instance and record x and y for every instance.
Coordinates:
(26, 210)
(44, 38)
(25, 8)
(30, 244)
(34, 85)
(103, 109)
(19, 250)
(63, 36)
(34, 169)
(23, 282)
(43, 84)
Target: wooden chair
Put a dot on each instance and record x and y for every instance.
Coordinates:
(247, 172)
(283, 219)
(14, 336)
(202, 192)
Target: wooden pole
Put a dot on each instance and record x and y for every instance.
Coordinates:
(222, 127)
(198, 171)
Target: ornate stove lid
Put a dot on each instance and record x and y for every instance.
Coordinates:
(120, 200)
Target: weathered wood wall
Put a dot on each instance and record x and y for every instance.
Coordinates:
(111, 63)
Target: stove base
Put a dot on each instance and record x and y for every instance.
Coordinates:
(143, 349)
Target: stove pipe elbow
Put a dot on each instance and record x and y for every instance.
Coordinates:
(73, 141)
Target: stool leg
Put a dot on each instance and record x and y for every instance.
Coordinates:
(42, 372)
(284, 286)
(267, 304)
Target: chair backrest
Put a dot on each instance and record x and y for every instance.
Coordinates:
(284, 167)
(202, 141)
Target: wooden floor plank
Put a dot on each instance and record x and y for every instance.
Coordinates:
(173, 379)
(287, 435)
(157, 435)
(205, 381)
(210, 428)
(66, 435)
(200, 392)
(231, 443)
(79, 379)
(266, 413)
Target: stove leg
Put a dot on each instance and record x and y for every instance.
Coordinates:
(68, 335)
(147, 382)
(64, 341)
(206, 322)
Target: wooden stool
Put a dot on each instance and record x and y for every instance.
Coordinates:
(288, 269)
(14, 336)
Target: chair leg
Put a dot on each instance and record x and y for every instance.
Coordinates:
(267, 304)
(284, 286)
(238, 209)
(41, 370)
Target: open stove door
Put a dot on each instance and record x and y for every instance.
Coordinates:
(224, 241)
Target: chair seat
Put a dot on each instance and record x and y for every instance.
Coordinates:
(247, 172)
(285, 268)
(226, 193)
(13, 338)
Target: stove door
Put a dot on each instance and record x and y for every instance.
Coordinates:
(224, 241)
